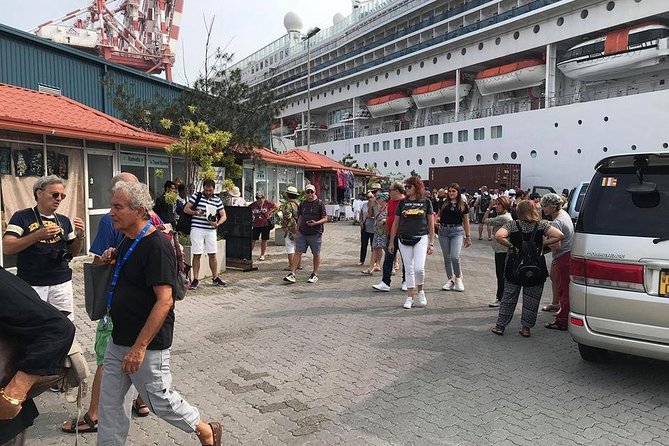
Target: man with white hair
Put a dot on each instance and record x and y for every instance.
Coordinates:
(142, 308)
(45, 242)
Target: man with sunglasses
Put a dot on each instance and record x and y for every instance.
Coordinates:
(45, 242)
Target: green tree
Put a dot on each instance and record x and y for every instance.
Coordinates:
(349, 161)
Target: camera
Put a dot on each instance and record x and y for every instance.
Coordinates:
(60, 255)
(212, 218)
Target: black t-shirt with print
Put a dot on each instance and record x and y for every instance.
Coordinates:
(311, 210)
(151, 263)
(451, 214)
(413, 216)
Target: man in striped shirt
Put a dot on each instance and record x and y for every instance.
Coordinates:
(207, 216)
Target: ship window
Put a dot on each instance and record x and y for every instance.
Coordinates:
(408, 143)
(433, 160)
(647, 36)
(397, 163)
(481, 46)
(514, 155)
(665, 145)
(420, 141)
(446, 160)
(496, 131)
(448, 56)
(578, 151)
(584, 13)
(422, 64)
(463, 51)
(555, 152)
(495, 156)
(357, 84)
(356, 148)
(580, 122)
(408, 162)
(498, 41)
(516, 35)
(633, 146)
(410, 68)
(536, 29)
(365, 147)
(610, 6)
(478, 157)
(376, 78)
(556, 125)
(386, 75)
(397, 144)
(385, 164)
(386, 145)
(462, 159)
(560, 21)
(463, 135)
(420, 162)
(398, 71)
(448, 137)
(605, 149)
(348, 87)
(479, 134)
(533, 154)
(366, 81)
(376, 165)
(375, 147)
(434, 61)
(606, 119)
(434, 139)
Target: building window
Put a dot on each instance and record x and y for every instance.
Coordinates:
(479, 134)
(386, 145)
(434, 139)
(448, 137)
(496, 131)
(397, 144)
(420, 141)
(408, 143)
(375, 147)
(463, 136)
(365, 147)
(356, 148)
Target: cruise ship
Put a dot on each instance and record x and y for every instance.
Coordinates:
(418, 85)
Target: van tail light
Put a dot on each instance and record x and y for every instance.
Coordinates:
(576, 321)
(621, 276)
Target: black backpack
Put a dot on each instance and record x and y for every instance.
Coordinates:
(484, 202)
(184, 223)
(527, 267)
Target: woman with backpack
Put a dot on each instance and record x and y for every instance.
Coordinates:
(414, 227)
(454, 233)
(525, 265)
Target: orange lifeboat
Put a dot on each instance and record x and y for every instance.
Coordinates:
(387, 105)
(513, 76)
(439, 93)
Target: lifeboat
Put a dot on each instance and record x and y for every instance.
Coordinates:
(514, 76)
(391, 104)
(621, 53)
(439, 93)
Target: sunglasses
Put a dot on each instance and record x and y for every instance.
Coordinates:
(309, 191)
(408, 186)
(57, 195)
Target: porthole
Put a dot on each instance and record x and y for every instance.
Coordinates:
(408, 162)
(434, 61)
(533, 154)
(556, 125)
(514, 155)
(386, 75)
(397, 163)
(448, 56)
(325, 94)
(536, 29)
(580, 122)
(606, 119)
(339, 89)
(481, 46)
(560, 21)
(409, 68)
(332, 91)
(498, 41)
(610, 6)
(385, 164)
(478, 157)
(584, 13)
(366, 166)
(462, 159)
(420, 162)
(375, 165)
(422, 64)
(463, 51)
(637, 1)
(605, 149)
(633, 146)
(446, 160)
(357, 84)
(555, 152)
(376, 78)
(304, 101)
(366, 81)
(398, 71)
(665, 145)
(578, 150)
(433, 160)
(348, 87)
(495, 156)
(516, 35)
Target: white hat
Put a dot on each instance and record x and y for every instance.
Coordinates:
(292, 190)
(310, 187)
(512, 191)
(375, 186)
(235, 192)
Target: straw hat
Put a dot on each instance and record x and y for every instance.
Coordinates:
(292, 190)
(235, 192)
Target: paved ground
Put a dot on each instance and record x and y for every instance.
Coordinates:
(336, 363)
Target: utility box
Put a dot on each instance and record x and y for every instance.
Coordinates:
(238, 237)
(473, 177)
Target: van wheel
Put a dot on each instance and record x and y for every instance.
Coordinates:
(592, 354)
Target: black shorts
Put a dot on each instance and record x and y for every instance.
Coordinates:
(264, 231)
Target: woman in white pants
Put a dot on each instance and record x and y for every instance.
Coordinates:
(414, 226)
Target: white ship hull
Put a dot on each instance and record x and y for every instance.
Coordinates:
(442, 96)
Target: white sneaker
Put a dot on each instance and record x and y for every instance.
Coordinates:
(408, 303)
(404, 286)
(459, 286)
(381, 287)
(494, 304)
(421, 300)
(448, 286)
(262, 258)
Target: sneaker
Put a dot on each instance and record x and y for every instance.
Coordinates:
(404, 286)
(448, 286)
(290, 278)
(218, 282)
(408, 303)
(261, 258)
(459, 286)
(193, 285)
(313, 278)
(421, 300)
(381, 287)
(494, 304)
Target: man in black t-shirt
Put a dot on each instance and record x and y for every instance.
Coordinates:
(142, 309)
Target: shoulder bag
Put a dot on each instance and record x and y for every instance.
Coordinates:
(185, 220)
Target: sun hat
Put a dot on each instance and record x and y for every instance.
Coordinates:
(235, 192)
(292, 190)
(310, 187)
(375, 186)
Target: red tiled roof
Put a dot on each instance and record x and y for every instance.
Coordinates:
(324, 162)
(31, 111)
(276, 158)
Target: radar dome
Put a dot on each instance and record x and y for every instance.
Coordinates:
(292, 22)
(338, 18)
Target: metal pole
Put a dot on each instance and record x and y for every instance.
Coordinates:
(308, 96)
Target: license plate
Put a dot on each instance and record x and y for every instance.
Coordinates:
(664, 283)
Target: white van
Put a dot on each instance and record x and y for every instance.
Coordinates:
(575, 200)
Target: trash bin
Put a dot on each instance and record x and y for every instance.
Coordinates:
(238, 238)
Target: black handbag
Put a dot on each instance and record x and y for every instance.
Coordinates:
(185, 220)
(97, 279)
(409, 240)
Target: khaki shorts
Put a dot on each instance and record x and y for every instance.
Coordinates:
(60, 296)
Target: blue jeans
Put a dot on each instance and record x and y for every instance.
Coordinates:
(451, 239)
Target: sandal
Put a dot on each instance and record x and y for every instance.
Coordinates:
(367, 272)
(524, 332)
(550, 307)
(140, 409)
(498, 330)
(76, 426)
(217, 432)
(555, 326)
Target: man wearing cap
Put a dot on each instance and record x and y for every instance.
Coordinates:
(261, 210)
(311, 216)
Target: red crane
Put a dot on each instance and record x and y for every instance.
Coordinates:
(141, 34)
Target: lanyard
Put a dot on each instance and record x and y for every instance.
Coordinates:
(117, 270)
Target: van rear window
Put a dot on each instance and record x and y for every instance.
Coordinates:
(609, 209)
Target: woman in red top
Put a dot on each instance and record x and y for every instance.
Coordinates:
(262, 210)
